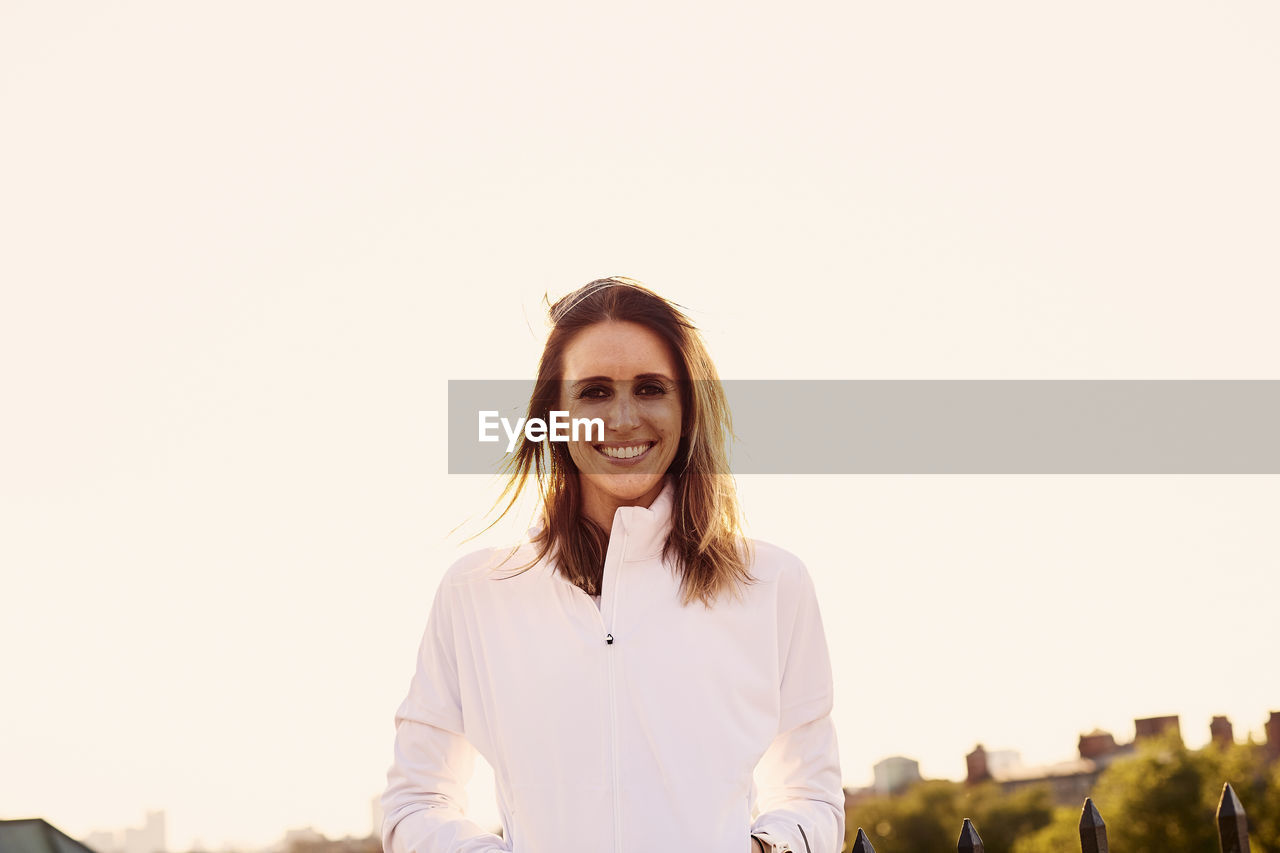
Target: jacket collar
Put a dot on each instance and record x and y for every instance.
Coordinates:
(644, 529)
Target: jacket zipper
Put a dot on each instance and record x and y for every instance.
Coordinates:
(613, 699)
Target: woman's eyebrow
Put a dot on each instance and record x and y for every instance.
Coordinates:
(578, 383)
(640, 377)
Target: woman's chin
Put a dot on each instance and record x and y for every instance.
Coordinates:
(624, 488)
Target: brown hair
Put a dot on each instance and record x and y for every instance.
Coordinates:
(706, 541)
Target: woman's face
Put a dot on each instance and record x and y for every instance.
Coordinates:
(625, 375)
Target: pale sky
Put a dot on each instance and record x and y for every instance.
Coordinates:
(243, 247)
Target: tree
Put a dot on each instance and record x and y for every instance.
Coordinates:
(1164, 800)
(929, 816)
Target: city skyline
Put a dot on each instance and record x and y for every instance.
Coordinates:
(247, 247)
(891, 774)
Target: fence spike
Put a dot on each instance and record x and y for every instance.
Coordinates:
(969, 841)
(1093, 829)
(1233, 823)
(862, 844)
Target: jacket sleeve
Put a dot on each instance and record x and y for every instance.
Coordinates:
(424, 804)
(800, 795)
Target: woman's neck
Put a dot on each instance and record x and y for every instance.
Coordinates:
(601, 507)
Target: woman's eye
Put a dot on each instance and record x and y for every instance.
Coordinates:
(593, 392)
(651, 389)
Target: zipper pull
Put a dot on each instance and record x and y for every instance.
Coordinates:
(608, 639)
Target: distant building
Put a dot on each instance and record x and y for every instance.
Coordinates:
(1273, 737)
(300, 837)
(151, 837)
(976, 769)
(1096, 744)
(375, 809)
(1069, 782)
(1155, 726)
(308, 840)
(104, 842)
(1002, 761)
(1220, 731)
(894, 775)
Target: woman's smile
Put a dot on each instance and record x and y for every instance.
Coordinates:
(625, 453)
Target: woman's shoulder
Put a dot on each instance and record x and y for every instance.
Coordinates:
(792, 585)
(770, 562)
(486, 563)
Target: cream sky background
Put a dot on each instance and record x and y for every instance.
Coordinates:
(243, 247)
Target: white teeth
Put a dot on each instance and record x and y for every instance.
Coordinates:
(625, 452)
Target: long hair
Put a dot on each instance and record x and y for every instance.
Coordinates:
(706, 542)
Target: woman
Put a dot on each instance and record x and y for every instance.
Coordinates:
(639, 675)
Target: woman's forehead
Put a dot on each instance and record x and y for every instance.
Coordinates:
(617, 351)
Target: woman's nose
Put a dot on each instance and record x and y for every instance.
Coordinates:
(624, 413)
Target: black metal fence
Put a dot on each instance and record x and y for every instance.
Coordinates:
(1233, 829)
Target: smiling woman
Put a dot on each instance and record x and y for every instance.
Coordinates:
(619, 352)
(628, 380)
(639, 674)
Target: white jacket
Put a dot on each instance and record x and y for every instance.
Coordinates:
(636, 725)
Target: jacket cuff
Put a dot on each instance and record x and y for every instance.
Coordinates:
(772, 844)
